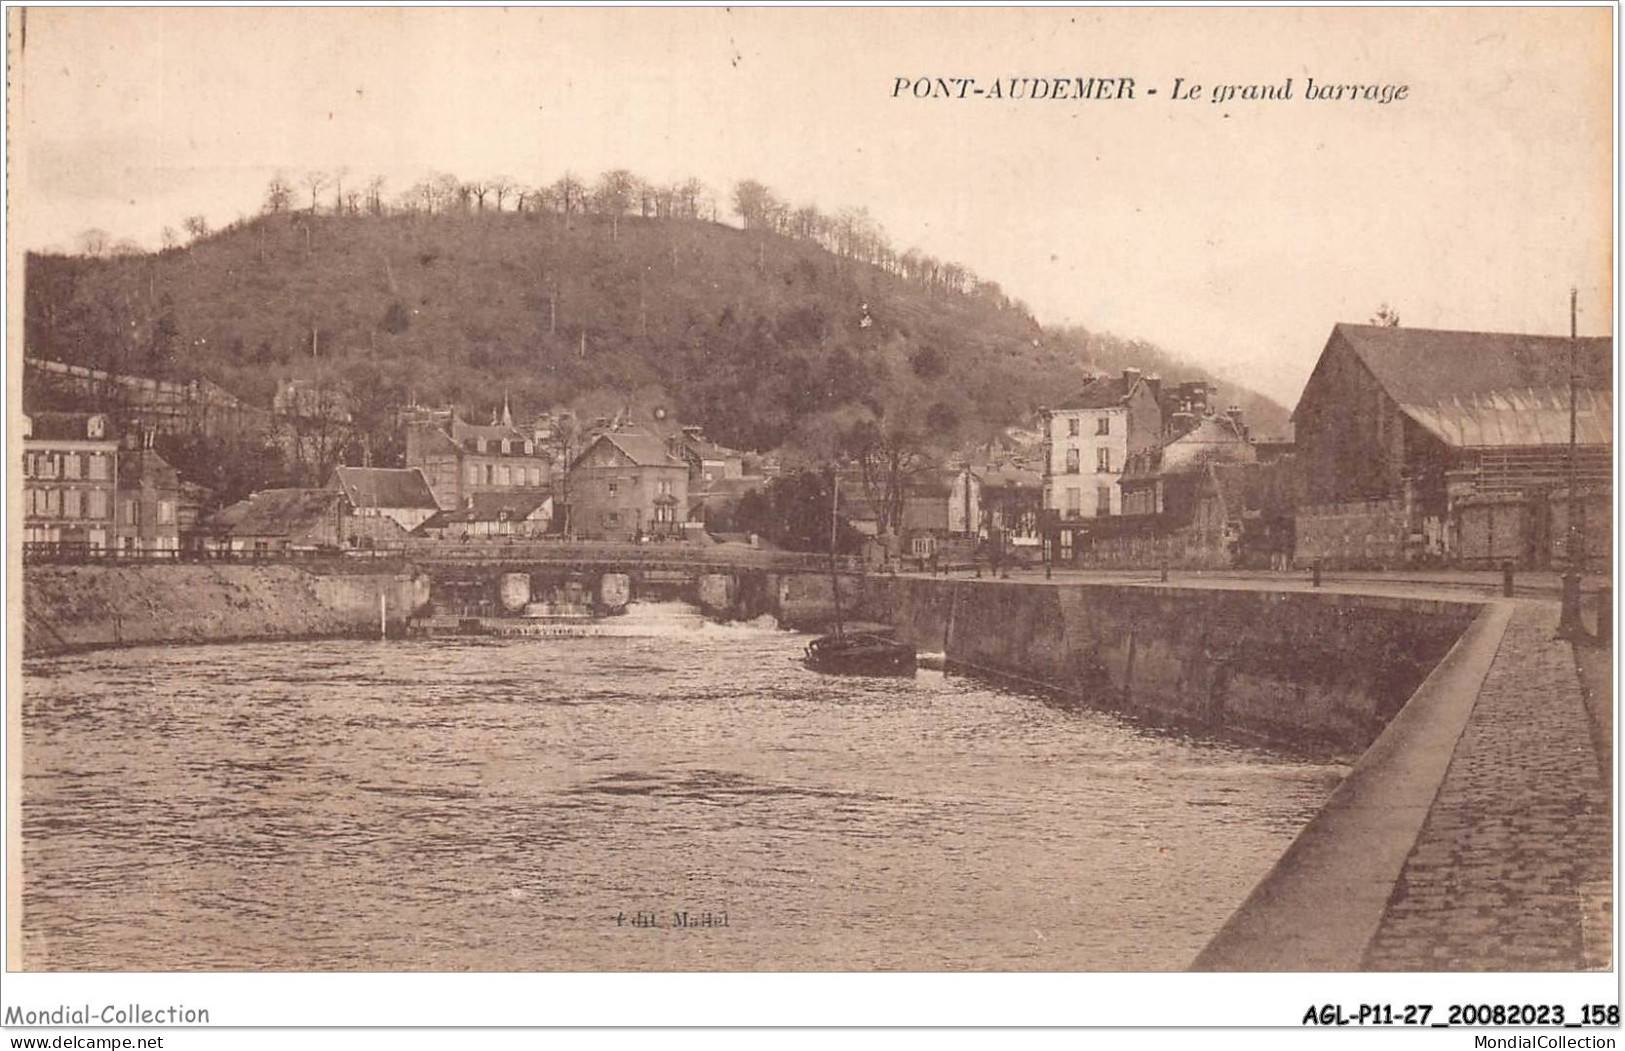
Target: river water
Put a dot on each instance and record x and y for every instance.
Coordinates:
(516, 804)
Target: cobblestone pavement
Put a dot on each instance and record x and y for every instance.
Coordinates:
(1512, 868)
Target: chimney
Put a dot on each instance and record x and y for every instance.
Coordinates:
(1129, 376)
(1154, 381)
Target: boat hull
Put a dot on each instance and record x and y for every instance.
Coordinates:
(860, 655)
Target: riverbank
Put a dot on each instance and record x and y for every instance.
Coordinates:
(67, 608)
(1295, 667)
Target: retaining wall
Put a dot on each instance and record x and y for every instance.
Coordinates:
(1282, 665)
(70, 607)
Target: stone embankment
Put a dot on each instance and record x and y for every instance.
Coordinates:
(1283, 665)
(78, 607)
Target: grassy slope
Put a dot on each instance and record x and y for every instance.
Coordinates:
(748, 333)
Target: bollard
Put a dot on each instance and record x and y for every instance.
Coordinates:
(1506, 579)
(1047, 566)
(1569, 625)
(1317, 572)
(1605, 615)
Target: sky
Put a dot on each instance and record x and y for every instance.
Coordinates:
(1234, 234)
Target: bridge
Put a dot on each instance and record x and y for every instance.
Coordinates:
(485, 578)
(611, 556)
(595, 555)
(495, 578)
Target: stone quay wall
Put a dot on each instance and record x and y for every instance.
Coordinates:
(85, 606)
(1279, 665)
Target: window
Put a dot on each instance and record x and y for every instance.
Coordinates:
(613, 488)
(1103, 461)
(1074, 501)
(504, 477)
(132, 512)
(166, 512)
(72, 503)
(1072, 426)
(98, 504)
(72, 466)
(530, 449)
(53, 502)
(1103, 425)
(490, 475)
(98, 467)
(1103, 500)
(504, 447)
(1072, 461)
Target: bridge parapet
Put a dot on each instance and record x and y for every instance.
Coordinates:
(623, 555)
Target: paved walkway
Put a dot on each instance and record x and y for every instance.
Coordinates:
(1512, 868)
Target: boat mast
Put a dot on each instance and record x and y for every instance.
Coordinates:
(834, 523)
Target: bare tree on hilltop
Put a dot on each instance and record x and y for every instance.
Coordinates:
(94, 242)
(278, 194)
(501, 187)
(315, 181)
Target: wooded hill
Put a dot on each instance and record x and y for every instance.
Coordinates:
(766, 339)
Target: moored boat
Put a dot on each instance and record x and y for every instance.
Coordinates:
(860, 653)
(853, 652)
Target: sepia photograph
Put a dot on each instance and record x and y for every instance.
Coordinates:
(1105, 492)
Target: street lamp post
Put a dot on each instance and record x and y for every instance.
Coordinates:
(1569, 625)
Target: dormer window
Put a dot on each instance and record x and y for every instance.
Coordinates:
(97, 427)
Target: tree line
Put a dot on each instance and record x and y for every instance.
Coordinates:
(849, 233)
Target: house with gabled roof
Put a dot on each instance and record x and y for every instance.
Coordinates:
(155, 508)
(626, 485)
(1088, 439)
(1428, 422)
(459, 458)
(279, 521)
(518, 513)
(400, 494)
(1163, 479)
